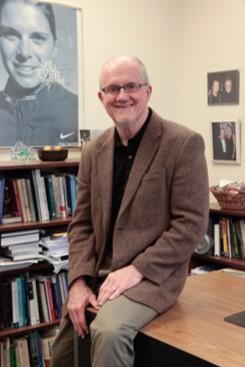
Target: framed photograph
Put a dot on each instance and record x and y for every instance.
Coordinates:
(40, 74)
(223, 87)
(226, 140)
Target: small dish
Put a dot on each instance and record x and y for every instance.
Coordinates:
(52, 154)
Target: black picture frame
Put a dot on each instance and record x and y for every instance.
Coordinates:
(223, 87)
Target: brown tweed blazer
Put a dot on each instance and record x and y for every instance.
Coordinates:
(163, 215)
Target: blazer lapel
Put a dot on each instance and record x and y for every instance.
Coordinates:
(146, 151)
(105, 175)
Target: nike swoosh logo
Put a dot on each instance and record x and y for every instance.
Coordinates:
(64, 136)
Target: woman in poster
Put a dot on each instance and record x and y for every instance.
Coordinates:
(34, 107)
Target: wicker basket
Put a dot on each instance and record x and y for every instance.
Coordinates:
(228, 200)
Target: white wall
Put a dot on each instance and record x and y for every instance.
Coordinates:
(211, 38)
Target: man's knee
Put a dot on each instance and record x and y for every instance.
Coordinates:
(108, 331)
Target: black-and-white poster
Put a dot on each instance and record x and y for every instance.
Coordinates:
(39, 73)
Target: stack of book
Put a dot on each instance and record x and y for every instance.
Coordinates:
(55, 247)
(21, 245)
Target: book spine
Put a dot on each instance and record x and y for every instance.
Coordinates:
(33, 302)
(16, 198)
(50, 196)
(15, 309)
(2, 185)
(30, 198)
(217, 251)
(22, 199)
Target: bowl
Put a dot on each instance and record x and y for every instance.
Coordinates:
(53, 154)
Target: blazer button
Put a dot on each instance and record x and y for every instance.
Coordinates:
(119, 229)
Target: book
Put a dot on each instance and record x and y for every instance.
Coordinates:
(50, 196)
(12, 206)
(32, 297)
(22, 352)
(2, 186)
(22, 300)
(43, 306)
(34, 346)
(235, 247)
(57, 300)
(224, 237)
(40, 191)
(217, 251)
(5, 305)
(12, 355)
(47, 341)
(15, 303)
(5, 353)
(11, 219)
(23, 199)
(19, 237)
(62, 202)
(242, 229)
(30, 199)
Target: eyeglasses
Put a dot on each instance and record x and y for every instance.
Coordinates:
(128, 88)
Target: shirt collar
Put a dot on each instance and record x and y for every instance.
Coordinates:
(137, 138)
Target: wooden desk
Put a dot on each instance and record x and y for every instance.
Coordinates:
(193, 333)
(195, 325)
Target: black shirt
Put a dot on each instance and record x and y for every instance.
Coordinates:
(123, 162)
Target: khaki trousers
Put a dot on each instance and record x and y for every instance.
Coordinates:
(112, 335)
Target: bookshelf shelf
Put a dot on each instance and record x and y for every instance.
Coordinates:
(216, 213)
(31, 225)
(35, 163)
(13, 332)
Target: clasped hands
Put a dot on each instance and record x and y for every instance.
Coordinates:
(80, 295)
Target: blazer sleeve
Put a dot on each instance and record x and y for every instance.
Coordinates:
(189, 209)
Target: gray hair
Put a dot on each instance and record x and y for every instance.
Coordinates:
(141, 65)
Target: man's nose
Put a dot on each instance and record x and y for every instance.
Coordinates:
(122, 94)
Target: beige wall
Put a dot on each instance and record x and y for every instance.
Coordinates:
(211, 38)
(179, 41)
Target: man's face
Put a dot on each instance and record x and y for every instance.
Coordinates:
(125, 108)
(228, 86)
(215, 86)
(26, 41)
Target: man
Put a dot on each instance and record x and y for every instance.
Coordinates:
(228, 95)
(142, 209)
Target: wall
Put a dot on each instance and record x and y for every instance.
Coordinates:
(134, 28)
(211, 38)
(112, 28)
(179, 41)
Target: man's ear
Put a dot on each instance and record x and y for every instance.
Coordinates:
(100, 95)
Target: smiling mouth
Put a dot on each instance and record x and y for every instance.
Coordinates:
(124, 106)
(25, 70)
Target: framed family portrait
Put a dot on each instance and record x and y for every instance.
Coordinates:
(226, 139)
(40, 74)
(223, 87)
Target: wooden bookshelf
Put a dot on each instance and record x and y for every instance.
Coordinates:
(17, 169)
(217, 212)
